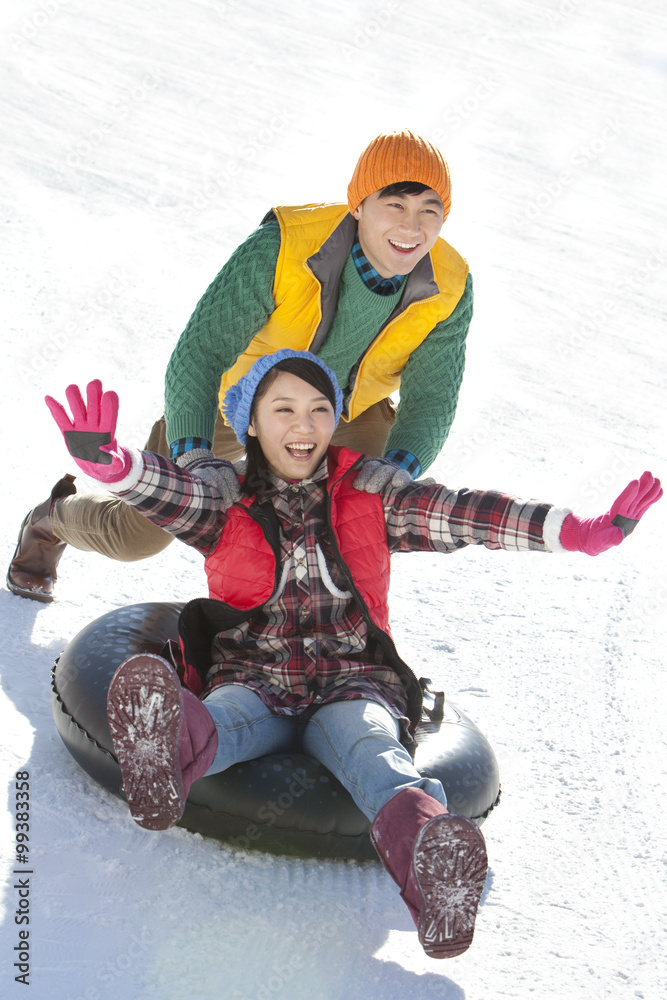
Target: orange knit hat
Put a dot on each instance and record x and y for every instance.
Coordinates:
(395, 157)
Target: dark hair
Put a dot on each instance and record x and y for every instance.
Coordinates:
(257, 475)
(403, 187)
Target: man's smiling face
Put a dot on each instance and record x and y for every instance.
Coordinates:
(396, 231)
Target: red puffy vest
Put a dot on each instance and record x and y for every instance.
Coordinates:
(243, 570)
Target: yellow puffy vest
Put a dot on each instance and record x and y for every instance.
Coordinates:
(297, 315)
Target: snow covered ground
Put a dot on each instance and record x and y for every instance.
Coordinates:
(142, 141)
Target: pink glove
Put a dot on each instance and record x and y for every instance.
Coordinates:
(595, 535)
(91, 434)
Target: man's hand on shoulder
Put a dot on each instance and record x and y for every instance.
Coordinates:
(377, 473)
(216, 472)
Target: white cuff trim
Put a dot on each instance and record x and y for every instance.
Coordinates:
(131, 478)
(551, 531)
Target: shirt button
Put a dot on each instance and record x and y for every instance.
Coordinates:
(294, 489)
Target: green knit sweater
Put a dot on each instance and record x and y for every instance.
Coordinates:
(237, 305)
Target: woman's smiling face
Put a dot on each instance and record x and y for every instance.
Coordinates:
(294, 423)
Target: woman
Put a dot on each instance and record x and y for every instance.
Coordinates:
(293, 647)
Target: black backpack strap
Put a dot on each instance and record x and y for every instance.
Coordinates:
(171, 651)
(436, 711)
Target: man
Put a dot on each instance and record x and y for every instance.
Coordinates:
(370, 287)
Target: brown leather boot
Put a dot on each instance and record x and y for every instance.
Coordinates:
(32, 571)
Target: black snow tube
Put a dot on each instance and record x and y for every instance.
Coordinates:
(286, 803)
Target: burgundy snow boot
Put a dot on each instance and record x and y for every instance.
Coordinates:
(32, 571)
(163, 736)
(438, 862)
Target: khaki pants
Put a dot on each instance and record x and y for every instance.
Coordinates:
(96, 522)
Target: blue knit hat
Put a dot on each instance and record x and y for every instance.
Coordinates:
(237, 403)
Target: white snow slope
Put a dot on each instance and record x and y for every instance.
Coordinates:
(142, 141)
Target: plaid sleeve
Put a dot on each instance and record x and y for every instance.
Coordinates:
(177, 501)
(437, 519)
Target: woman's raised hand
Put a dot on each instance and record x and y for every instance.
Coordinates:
(90, 433)
(594, 535)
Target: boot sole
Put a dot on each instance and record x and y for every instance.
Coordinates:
(145, 713)
(450, 863)
(32, 595)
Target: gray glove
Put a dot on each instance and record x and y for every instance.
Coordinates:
(376, 473)
(220, 475)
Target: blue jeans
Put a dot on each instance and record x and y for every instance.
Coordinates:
(357, 741)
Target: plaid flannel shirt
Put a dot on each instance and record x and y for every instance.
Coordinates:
(310, 644)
